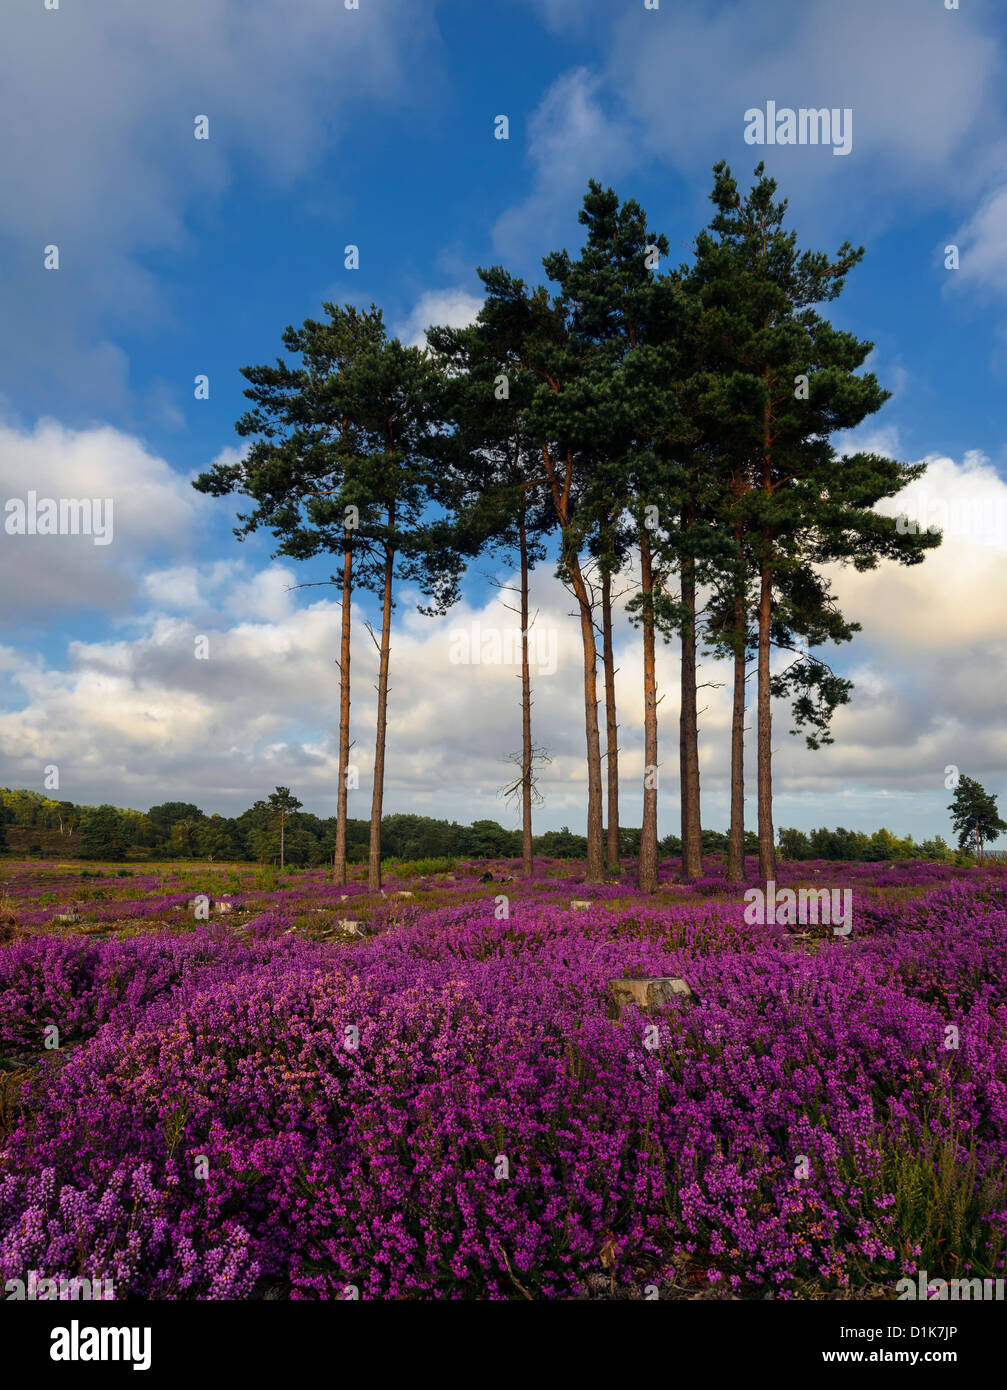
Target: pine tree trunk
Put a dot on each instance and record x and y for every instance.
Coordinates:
(377, 793)
(692, 835)
(767, 845)
(648, 836)
(767, 840)
(595, 868)
(527, 859)
(339, 862)
(736, 840)
(611, 724)
(282, 818)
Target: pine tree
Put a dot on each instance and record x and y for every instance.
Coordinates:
(394, 392)
(283, 803)
(499, 501)
(534, 331)
(611, 553)
(974, 815)
(784, 381)
(301, 470)
(628, 319)
(338, 466)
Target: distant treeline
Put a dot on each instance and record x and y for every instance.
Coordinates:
(180, 830)
(858, 845)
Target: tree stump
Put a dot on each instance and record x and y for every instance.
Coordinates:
(349, 928)
(655, 992)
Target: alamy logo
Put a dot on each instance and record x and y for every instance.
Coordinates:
(830, 906)
(806, 126)
(76, 1343)
(981, 518)
(63, 516)
(43, 1289)
(494, 646)
(955, 1290)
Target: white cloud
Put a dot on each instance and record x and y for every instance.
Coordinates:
(691, 80)
(569, 16)
(572, 138)
(266, 596)
(982, 244)
(153, 511)
(137, 717)
(925, 86)
(189, 587)
(868, 439)
(454, 308)
(944, 605)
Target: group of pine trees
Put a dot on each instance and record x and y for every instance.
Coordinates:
(670, 425)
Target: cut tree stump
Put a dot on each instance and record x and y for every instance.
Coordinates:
(648, 994)
(353, 928)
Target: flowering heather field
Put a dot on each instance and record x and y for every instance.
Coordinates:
(264, 1104)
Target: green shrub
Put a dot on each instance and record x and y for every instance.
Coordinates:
(942, 1205)
(420, 868)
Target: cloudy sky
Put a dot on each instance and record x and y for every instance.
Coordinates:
(375, 126)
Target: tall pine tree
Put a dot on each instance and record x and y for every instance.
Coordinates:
(787, 382)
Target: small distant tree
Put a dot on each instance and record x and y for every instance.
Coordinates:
(283, 803)
(66, 817)
(974, 815)
(180, 839)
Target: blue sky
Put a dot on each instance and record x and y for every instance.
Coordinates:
(375, 127)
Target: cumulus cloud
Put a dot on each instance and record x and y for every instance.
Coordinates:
(140, 718)
(930, 664)
(941, 605)
(925, 87)
(151, 507)
(454, 308)
(215, 677)
(690, 78)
